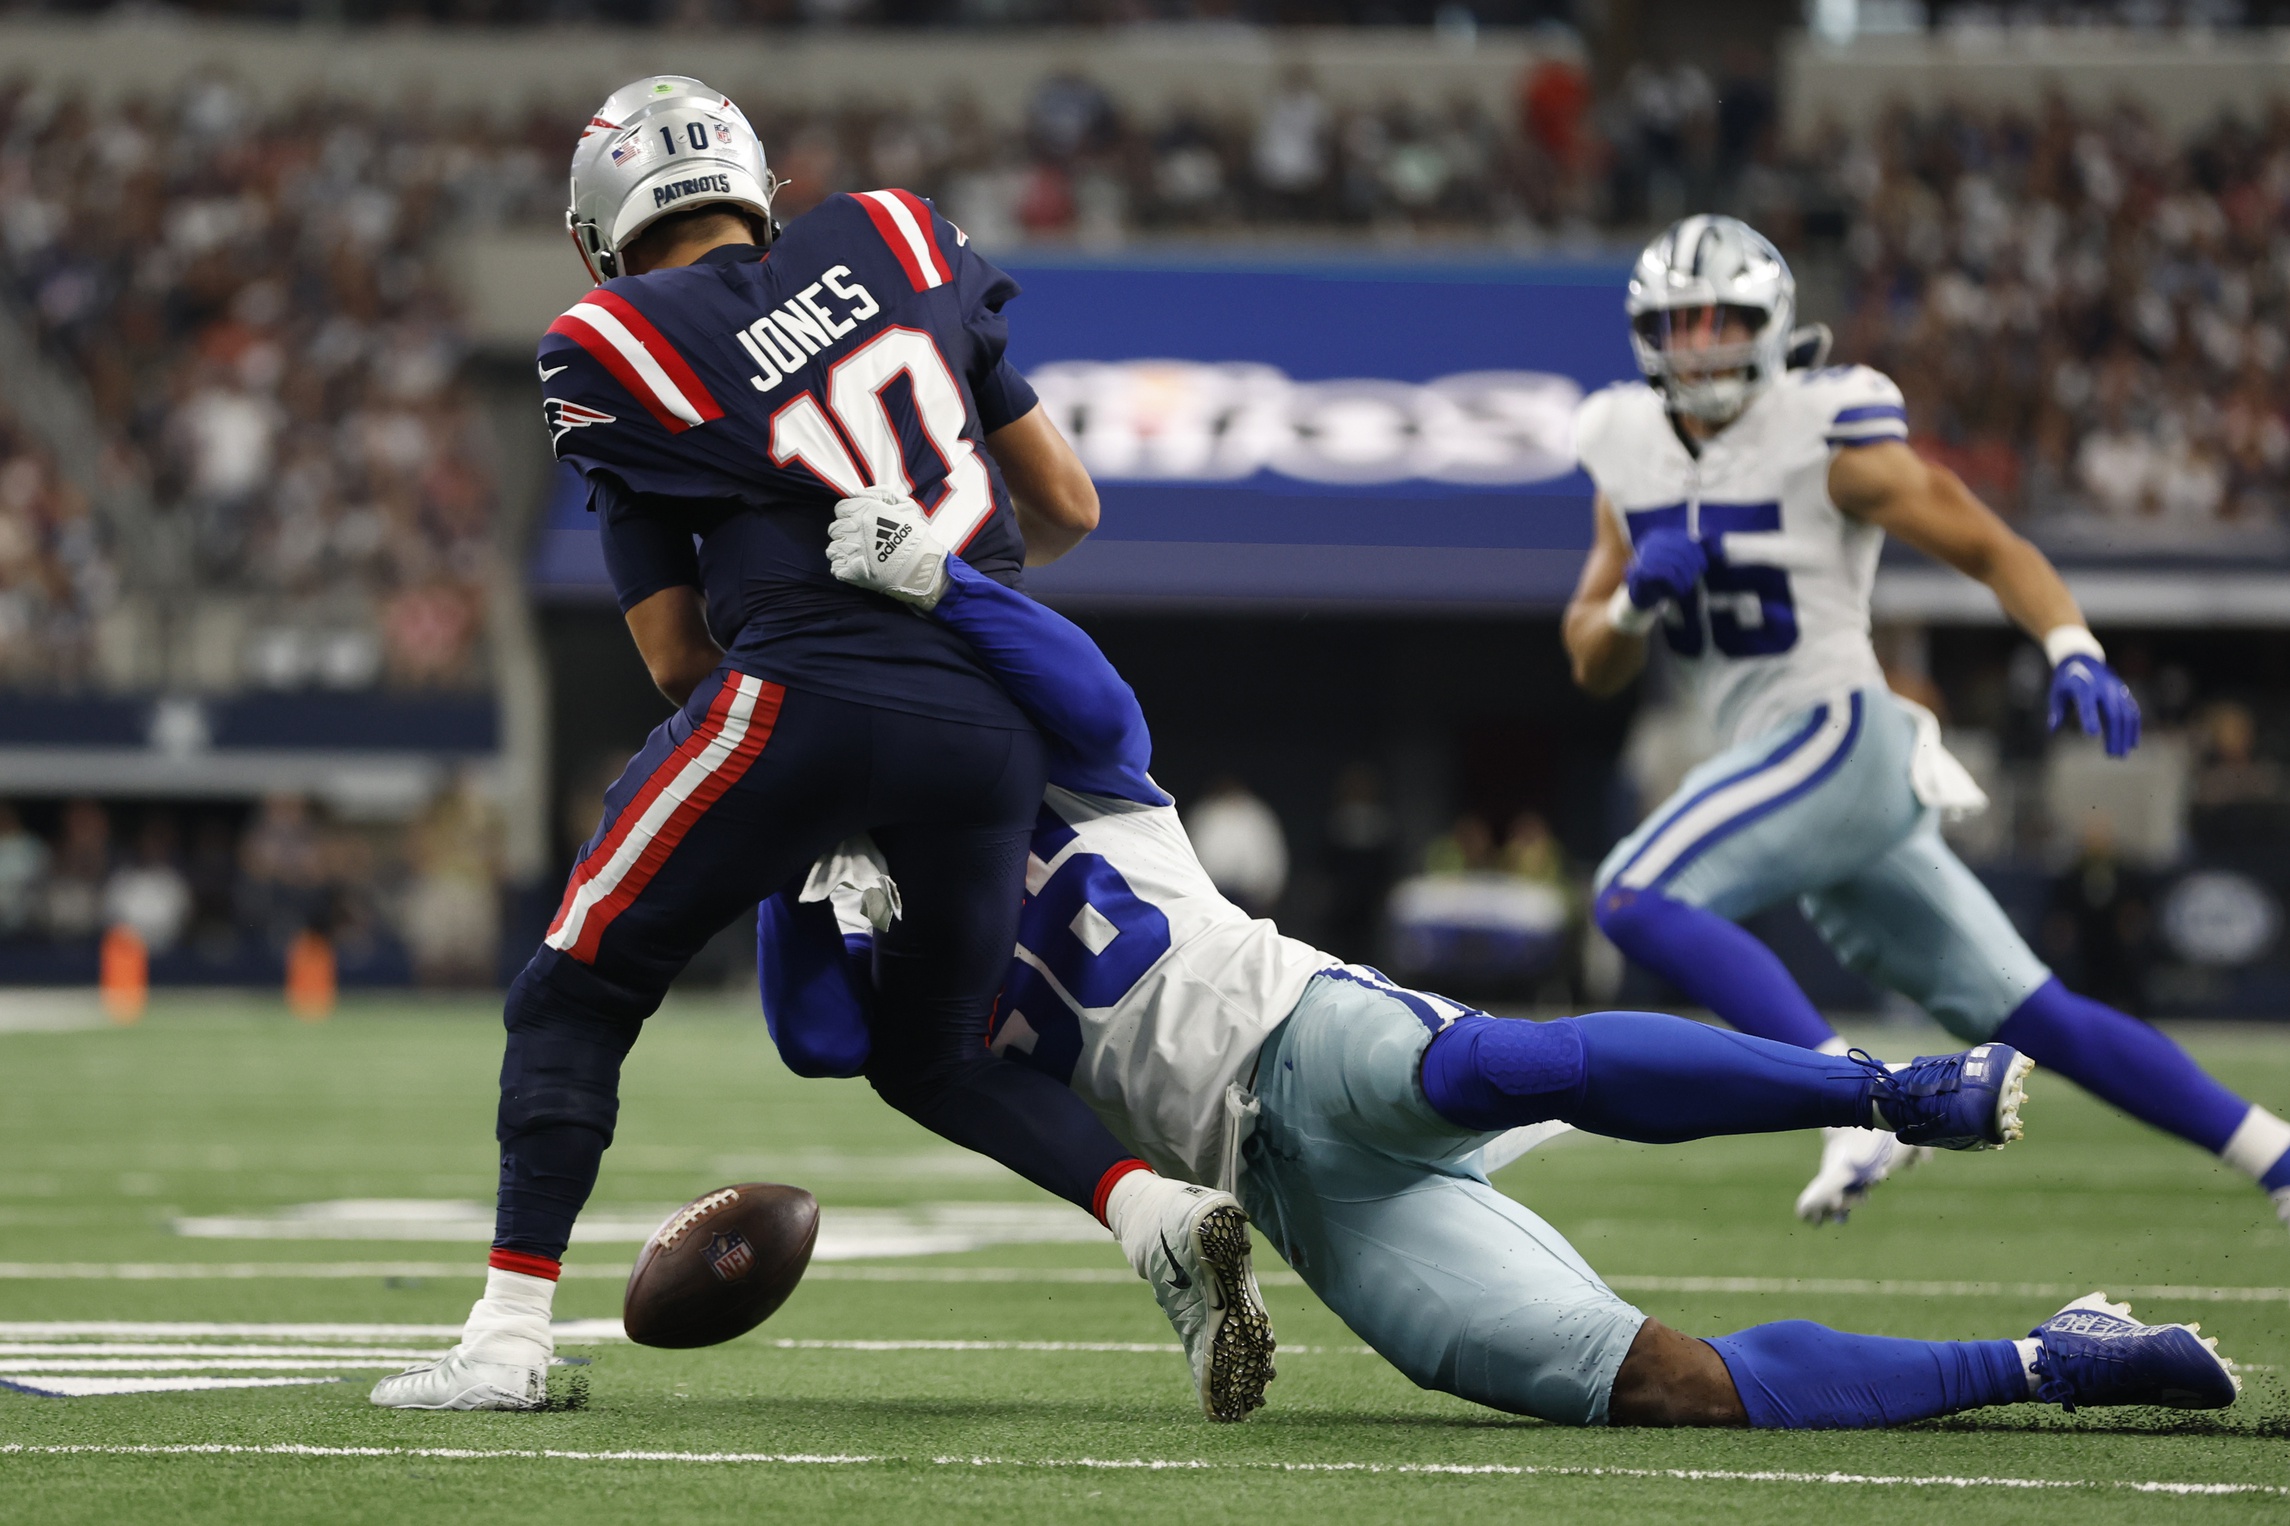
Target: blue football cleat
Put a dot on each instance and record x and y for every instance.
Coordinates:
(1968, 1101)
(2095, 1353)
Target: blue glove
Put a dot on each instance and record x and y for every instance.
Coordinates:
(1668, 565)
(2103, 702)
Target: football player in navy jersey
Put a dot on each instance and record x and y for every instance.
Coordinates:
(722, 387)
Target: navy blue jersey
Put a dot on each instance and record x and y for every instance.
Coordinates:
(736, 399)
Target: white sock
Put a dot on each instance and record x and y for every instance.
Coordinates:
(2258, 1143)
(511, 1322)
(2028, 1350)
(1135, 1209)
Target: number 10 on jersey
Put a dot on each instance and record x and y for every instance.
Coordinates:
(801, 431)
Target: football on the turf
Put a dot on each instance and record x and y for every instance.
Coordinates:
(720, 1265)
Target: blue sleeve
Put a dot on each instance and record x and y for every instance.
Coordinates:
(816, 987)
(1004, 397)
(1099, 743)
(642, 554)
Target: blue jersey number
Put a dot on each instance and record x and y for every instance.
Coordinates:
(1751, 611)
(1092, 933)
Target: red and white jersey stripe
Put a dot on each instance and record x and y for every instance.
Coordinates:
(640, 358)
(711, 760)
(905, 224)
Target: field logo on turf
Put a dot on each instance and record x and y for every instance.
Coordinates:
(729, 1255)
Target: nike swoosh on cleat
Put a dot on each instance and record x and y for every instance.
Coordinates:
(1177, 1277)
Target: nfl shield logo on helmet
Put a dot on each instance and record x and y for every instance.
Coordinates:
(723, 135)
(729, 1255)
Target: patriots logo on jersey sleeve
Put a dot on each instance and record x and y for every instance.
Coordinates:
(565, 416)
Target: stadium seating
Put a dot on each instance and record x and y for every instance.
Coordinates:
(255, 306)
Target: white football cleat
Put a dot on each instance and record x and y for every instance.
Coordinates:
(1192, 1244)
(1853, 1161)
(459, 1381)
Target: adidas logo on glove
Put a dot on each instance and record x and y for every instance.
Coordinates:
(888, 538)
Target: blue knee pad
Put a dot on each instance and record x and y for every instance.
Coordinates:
(1489, 1073)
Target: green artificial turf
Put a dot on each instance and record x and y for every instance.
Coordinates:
(226, 1106)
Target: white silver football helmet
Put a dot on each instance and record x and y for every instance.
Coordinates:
(661, 145)
(1694, 275)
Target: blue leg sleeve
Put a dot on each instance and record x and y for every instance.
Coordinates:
(1636, 1075)
(814, 1001)
(1720, 965)
(2122, 1060)
(1799, 1376)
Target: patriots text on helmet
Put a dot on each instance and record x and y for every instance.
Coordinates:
(698, 185)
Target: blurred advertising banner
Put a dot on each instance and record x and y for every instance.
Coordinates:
(1339, 433)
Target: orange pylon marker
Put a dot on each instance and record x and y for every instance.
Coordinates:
(123, 974)
(310, 981)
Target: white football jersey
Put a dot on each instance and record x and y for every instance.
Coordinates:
(1781, 620)
(1136, 983)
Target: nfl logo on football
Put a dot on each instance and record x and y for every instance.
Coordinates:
(729, 1256)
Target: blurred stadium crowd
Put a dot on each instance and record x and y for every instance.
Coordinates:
(2091, 322)
(217, 893)
(252, 309)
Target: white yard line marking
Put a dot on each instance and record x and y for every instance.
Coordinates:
(1889, 1288)
(574, 1332)
(51, 1011)
(56, 1353)
(88, 1388)
(1163, 1464)
(1103, 1274)
(13, 1349)
(845, 1234)
(1157, 1347)
(17, 1367)
(1850, 1287)
(236, 1271)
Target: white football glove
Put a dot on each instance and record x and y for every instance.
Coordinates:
(882, 541)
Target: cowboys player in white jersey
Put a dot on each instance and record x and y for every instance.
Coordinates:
(1741, 506)
(1357, 1121)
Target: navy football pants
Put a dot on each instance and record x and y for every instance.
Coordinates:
(729, 802)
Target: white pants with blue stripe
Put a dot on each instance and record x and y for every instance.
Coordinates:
(1380, 1206)
(1820, 808)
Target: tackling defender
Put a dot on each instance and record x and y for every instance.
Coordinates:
(1741, 506)
(1358, 1119)
(724, 385)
